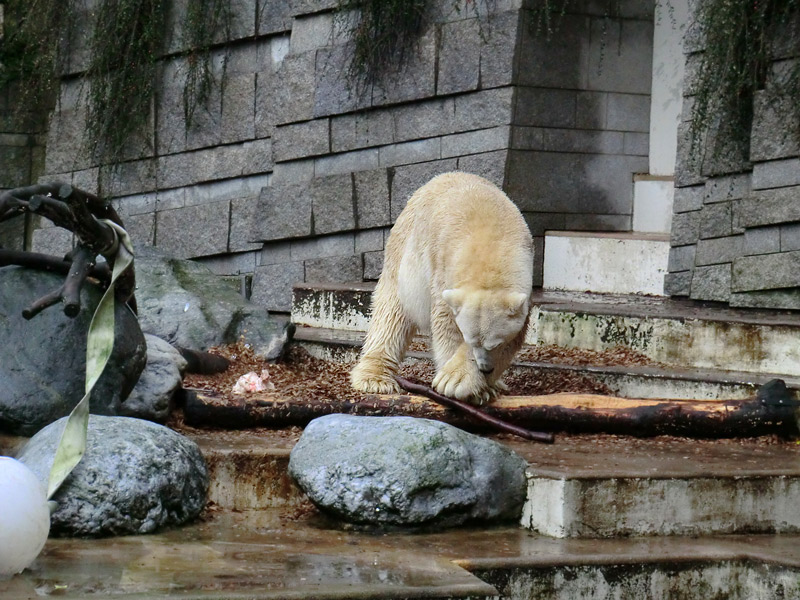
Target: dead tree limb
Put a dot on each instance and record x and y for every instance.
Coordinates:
(83, 214)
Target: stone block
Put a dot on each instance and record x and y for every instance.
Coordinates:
(414, 80)
(210, 164)
(169, 199)
(719, 250)
(52, 240)
(539, 223)
(273, 16)
(12, 234)
(272, 285)
(226, 189)
(620, 56)
(170, 113)
(685, 228)
(327, 246)
(370, 240)
(410, 152)
(273, 253)
(678, 284)
(578, 140)
(560, 60)
(688, 198)
(715, 220)
(244, 213)
(238, 108)
(597, 222)
(333, 204)
(310, 32)
(482, 109)
(334, 93)
(598, 184)
(231, 264)
(498, 44)
(787, 299)
(723, 189)
(545, 107)
(338, 269)
(628, 112)
(459, 57)
(194, 230)
(16, 166)
(637, 144)
(776, 122)
(407, 179)
(284, 211)
(373, 265)
(301, 140)
(299, 171)
(681, 258)
(362, 130)
(204, 125)
(766, 272)
(135, 205)
(770, 207)
(141, 229)
(287, 95)
(777, 173)
(528, 138)
(66, 148)
(433, 118)
(372, 198)
(790, 237)
(476, 142)
(358, 160)
(123, 179)
(491, 165)
(762, 240)
(87, 179)
(687, 163)
(712, 283)
(591, 109)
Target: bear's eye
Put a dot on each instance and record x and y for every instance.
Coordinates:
(492, 345)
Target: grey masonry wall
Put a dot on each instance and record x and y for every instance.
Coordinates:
(736, 223)
(291, 175)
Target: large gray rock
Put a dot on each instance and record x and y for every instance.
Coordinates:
(406, 471)
(153, 395)
(43, 361)
(135, 477)
(184, 303)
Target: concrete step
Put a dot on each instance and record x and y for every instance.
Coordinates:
(676, 333)
(273, 554)
(579, 487)
(645, 382)
(606, 263)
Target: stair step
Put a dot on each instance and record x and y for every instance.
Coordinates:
(673, 332)
(601, 262)
(644, 382)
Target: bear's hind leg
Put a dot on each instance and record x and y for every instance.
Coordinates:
(389, 334)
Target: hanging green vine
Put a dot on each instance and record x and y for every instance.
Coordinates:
(127, 40)
(737, 55)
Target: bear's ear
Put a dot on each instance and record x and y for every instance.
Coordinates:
(454, 299)
(517, 302)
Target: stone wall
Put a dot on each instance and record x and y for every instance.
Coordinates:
(736, 223)
(291, 175)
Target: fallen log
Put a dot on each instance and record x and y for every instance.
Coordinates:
(773, 412)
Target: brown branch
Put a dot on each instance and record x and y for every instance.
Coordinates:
(476, 413)
(45, 262)
(83, 259)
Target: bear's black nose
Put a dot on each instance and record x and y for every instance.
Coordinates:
(487, 371)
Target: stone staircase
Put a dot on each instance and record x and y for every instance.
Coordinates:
(605, 517)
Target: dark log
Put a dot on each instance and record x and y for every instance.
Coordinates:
(474, 412)
(45, 262)
(572, 413)
(203, 363)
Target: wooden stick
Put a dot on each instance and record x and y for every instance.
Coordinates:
(476, 413)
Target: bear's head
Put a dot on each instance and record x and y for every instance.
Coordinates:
(487, 319)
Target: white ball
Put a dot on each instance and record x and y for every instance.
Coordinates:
(24, 516)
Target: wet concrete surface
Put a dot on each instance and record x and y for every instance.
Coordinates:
(272, 554)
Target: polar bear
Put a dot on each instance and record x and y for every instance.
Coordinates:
(458, 263)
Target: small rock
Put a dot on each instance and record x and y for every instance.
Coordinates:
(406, 471)
(153, 395)
(135, 477)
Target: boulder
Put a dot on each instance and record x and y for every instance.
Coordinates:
(406, 471)
(43, 361)
(135, 477)
(152, 396)
(184, 303)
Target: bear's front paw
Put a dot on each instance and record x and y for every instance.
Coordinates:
(463, 383)
(372, 379)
